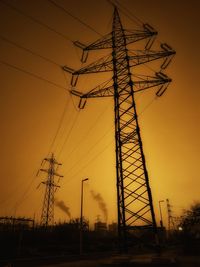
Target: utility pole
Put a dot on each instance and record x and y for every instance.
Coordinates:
(81, 216)
(47, 216)
(134, 198)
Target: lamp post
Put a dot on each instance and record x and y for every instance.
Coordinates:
(81, 217)
(161, 220)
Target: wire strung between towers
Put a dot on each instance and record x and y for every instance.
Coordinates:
(126, 12)
(69, 133)
(88, 163)
(59, 127)
(43, 58)
(28, 50)
(74, 17)
(32, 74)
(36, 20)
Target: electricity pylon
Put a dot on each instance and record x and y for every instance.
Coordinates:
(171, 225)
(47, 216)
(134, 198)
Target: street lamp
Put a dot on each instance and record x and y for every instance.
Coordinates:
(81, 217)
(161, 220)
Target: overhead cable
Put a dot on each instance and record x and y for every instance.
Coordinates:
(127, 13)
(59, 127)
(28, 50)
(69, 133)
(91, 148)
(88, 163)
(36, 20)
(74, 17)
(32, 74)
(134, 17)
(86, 135)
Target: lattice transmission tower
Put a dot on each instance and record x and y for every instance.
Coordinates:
(134, 198)
(171, 224)
(47, 216)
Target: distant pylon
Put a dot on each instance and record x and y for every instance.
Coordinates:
(170, 217)
(47, 216)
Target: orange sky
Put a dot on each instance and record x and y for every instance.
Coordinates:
(33, 99)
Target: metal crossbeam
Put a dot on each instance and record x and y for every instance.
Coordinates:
(105, 64)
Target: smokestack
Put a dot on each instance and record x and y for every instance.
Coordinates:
(101, 203)
(63, 207)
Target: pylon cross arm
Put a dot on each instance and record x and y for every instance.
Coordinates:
(159, 79)
(105, 64)
(131, 36)
(143, 56)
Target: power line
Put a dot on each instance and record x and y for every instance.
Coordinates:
(58, 130)
(147, 106)
(23, 196)
(43, 79)
(36, 20)
(74, 17)
(25, 192)
(92, 159)
(86, 135)
(62, 116)
(12, 194)
(32, 74)
(128, 14)
(91, 148)
(68, 135)
(136, 19)
(59, 126)
(28, 50)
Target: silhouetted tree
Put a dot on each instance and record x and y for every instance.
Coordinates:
(190, 226)
(190, 221)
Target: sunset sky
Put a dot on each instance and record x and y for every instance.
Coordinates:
(40, 117)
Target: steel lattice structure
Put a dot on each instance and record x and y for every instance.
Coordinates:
(47, 216)
(171, 225)
(135, 205)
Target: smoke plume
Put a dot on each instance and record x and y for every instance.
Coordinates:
(101, 203)
(63, 207)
